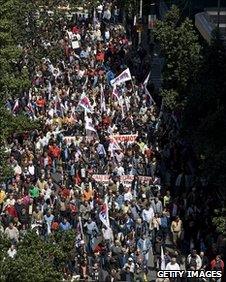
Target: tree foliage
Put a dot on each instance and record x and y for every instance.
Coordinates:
(219, 220)
(37, 259)
(182, 52)
(14, 75)
(169, 98)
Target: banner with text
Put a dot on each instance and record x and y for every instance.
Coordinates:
(126, 179)
(124, 138)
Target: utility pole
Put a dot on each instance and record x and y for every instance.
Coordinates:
(218, 13)
(140, 16)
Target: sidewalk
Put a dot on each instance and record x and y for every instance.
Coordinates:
(156, 61)
(156, 68)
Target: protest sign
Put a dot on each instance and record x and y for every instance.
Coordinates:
(124, 138)
(123, 77)
(125, 179)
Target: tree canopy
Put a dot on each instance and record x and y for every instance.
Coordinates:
(45, 259)
(182, 52)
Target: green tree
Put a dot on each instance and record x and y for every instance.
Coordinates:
(37, 259)
(14, 76)
(169, 98)
(219, 220)
(182, 52)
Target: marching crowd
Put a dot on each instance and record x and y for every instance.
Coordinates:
(132, 202)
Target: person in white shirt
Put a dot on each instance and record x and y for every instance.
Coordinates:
(99, 11)
(194, 261)
(12, 251)
(173, 265)
(119, 156)
(107, 15)
(101, 150)
(44, 141)
(120, 170)
(38, 145)
(148, 213)
(46, 192)
(130, 264)
(107, 35)
(31, 168)
(10, 201)
(107, 234)
(128, 195)
(17, 169)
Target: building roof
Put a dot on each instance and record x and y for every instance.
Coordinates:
(207, 21)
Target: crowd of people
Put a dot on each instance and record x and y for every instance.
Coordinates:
(128, 200)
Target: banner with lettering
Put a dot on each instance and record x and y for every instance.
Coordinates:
(73, 139)
(123, 77)
(124, 138)
(125, 179)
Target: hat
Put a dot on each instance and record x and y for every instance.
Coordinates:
(130, 259)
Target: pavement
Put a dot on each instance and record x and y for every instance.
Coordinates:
(156, 70)
(156, 60)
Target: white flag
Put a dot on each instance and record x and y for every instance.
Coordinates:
(123, 77)
(85, 103)
(30, 107)
(145, 83)
(163, 263)
(113, 146)
(147, 79)
(104, 216)
(135, 20)
(80, 225)
(16, 106)
(89, 123)
(102, 100)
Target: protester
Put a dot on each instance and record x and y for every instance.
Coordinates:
(173, 265)
(12, 252)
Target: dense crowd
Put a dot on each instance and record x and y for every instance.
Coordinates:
(55, 185)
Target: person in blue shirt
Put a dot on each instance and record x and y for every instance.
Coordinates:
(164, 224)
(144, 246)
(65, 225)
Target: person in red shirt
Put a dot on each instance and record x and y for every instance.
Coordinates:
(217, 264)
(40, 102)
(11, 210)
(100, 56)
(64, 192)
(75, 29)
(54, 151)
